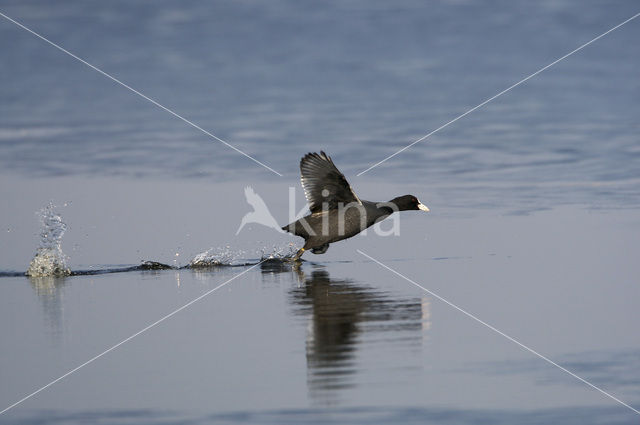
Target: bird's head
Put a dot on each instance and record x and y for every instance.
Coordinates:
(409, 202)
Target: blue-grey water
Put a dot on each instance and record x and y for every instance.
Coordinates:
(533, 228)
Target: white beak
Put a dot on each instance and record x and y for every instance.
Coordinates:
(423, 207)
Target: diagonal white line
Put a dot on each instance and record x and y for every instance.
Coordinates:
(501, 93)
(157, 322)
(109, 76)
(498, 331)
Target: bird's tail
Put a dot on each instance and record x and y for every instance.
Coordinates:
(297, 229)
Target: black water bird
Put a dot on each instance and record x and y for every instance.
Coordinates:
(336, 211)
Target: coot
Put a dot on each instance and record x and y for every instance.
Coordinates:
(336, 211)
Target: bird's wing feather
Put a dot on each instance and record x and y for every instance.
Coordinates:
(318, 174)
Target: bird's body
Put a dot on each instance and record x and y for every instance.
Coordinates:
(336, 211)
(324, 227)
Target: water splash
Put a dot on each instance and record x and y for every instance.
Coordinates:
(225, 256)
(279, 252)
(49, 259)
(214, 257)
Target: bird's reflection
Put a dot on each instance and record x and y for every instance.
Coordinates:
(342, 315)
(50, 291)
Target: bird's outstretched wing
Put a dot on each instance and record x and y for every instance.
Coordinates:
(323, 182)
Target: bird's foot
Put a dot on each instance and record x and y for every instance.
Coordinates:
(296, 258)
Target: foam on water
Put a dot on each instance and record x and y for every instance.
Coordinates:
(49, 259)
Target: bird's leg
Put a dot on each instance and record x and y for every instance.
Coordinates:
(298, 255)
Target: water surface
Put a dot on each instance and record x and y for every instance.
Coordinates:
(534, 223)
